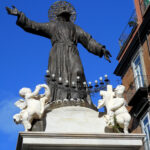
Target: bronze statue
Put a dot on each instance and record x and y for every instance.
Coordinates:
(64, 60)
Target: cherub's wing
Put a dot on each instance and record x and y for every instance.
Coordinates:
(21, 104)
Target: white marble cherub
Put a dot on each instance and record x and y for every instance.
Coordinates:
(116, 108)
(33, 106)
(106, 101)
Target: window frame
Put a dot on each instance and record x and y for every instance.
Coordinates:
(143, 126)
(141, 76)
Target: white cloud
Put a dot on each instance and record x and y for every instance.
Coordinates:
(7, 110)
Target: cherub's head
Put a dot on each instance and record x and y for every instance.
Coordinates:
(24, 91)
(119, 90)
(17, 118)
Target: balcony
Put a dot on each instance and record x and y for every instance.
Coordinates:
(144, 4)
(128, 30)
(138, 89)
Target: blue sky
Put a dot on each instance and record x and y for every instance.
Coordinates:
(24, 56)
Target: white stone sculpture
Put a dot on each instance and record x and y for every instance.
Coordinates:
(32, 107)
(106, 101)
(115, 105)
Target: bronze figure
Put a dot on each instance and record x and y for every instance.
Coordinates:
(64, 60)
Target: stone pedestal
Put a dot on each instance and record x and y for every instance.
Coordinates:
(55, 141)
(77, 128)
(74, 119)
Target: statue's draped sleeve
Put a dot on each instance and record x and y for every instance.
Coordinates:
(88, 42)
(43, 29)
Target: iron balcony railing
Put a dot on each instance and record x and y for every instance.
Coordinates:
(144, 4)
(138, 82)
(128, 30)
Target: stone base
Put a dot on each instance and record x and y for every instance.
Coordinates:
(75, 119)
(77, 128)
(55, 141)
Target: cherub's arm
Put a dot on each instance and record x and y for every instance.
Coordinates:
(101, 103)
(47, 90)
(36, 91)
(117, 103)
(46, 95)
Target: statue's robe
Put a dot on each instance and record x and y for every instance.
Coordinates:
(64, 60)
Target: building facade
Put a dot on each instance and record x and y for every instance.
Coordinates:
(134, 67)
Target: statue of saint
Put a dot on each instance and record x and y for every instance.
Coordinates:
(64, 60)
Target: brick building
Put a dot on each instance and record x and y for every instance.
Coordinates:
(134, 67)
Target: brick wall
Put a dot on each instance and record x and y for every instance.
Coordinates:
(128, 78)
(146, 57)
(126, 81)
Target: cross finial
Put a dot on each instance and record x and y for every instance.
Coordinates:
(109, 88)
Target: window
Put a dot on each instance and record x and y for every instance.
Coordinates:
(146, 3)
(138, 72)
(145, 123)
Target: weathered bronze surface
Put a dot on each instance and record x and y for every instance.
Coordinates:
(64, 60)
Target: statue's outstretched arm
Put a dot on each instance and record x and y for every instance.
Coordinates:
(14, 11)
(43, 29)
(91, 45)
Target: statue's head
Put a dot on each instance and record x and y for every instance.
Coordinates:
(62, 9)
(119, 90)
(24, 91)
